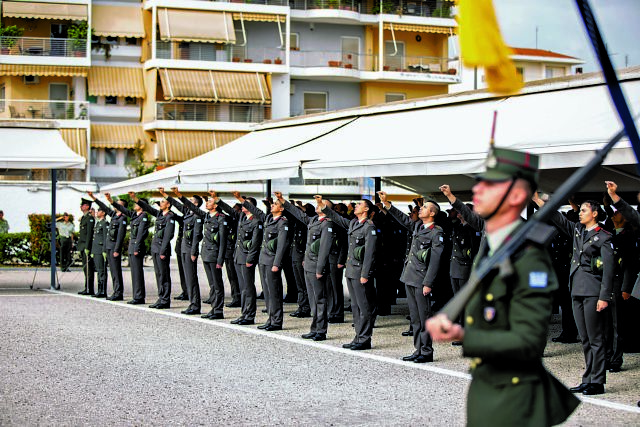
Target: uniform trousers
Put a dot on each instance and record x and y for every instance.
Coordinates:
(265, 288)
(335, 296)
(163, 278)
(247, 281)
(303, 296)
(292, 287)
(65, 252)
(89, 269)
(214, 276)
(137, 276)
(115, 268)
(614, 344)
(232, 276)
(183, 281)
(363, 301)
(590, 325)
(317, 290)
(420, 311)
(101, 269)
(456, 284)
(191, 279)
(272, 294)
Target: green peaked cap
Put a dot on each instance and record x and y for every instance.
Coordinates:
(504, 164)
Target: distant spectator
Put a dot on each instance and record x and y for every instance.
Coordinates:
(4, 225)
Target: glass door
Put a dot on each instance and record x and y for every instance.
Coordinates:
(59, 92)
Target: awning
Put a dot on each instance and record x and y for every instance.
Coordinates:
(259, 17)
(217, 86)
(36, 148)
(117, 136)
(196, 26)
(116, 81)
(117, 21)
(37, 10)
(421, 28)
(76, 139)
(41, 70)
(178, 145)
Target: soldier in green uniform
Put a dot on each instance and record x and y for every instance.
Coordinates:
(507, 320)
(99, 251)
(84, 246)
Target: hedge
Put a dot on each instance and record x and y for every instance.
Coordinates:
(15, 248)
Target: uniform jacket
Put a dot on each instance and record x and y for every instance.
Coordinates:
(583, 280)
(506, 327)
(139, 230)
(165, 227)
(117, 228)
(191, 228)
(465, 243)
(86, 232)
(98, 245)
(248, 230)
(359, 234)
(339, 248)
(633, 217)
(318, 229)
(415, 272)
(298, 238)
(274, 229)
(214, 231)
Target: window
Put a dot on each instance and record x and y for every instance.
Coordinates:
(294, 41)
(350, 52)
(130, 157)
(94, 157)
(112, 40)
(111, 100)
(92, 99)
(131, 41)
(393, 59)
(393, 97)
(551, 72)
(130, 101)
(2, 98)
(110, 156)
(520, 71)
(315, 102)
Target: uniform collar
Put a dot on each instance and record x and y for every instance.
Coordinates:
(497, 238)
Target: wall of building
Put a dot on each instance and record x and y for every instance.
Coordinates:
(339, 94)
(325, 37)
(374, 92)
(263, 40)
(18, 90)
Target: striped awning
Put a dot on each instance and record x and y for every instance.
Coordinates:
(117, 21)
(38, 10)
(41, 70)
(422, 28)
(117, 136)
(259, 17)
(196, 26)
(76, 139)
(214, 86)
(116, 81)
(180, 145)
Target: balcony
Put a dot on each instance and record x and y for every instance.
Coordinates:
(42, 47)
(29, 109)
(423, 8)
(201, 112)
(348, 5)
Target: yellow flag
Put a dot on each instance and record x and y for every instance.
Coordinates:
(481, 45)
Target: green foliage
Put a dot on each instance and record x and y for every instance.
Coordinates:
(79, 32)
(443, 11)
(387, 7)
(15, 248)
(40, 238)
(138, 166)
(10, 31)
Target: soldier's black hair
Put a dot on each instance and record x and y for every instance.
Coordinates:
(252, 201)
(198, 200)
(143, 200)
(309, 210)
(371, 206)
(434, 203)
(595, 207)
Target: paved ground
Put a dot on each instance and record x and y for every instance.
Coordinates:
(71, 360)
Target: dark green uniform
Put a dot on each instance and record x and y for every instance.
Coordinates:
(87, 223)
(506, 326)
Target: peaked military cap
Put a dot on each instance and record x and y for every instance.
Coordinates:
(85, 202)
(504, 164)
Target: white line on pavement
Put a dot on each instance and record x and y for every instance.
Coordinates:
(384, 359)
(27, 295)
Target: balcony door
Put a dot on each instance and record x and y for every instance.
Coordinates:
(58, 92)
(351, 52)
(58, 40)
(394, 59)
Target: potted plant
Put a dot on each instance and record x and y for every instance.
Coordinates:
(78, 33)
(348, 66)
(277, 61)
(247, 60)
(8, 36)
(235, 59)
(334, 63)
(385, 68)
(387, 7)
(266, 61)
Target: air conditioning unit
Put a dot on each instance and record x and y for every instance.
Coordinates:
(31, 80)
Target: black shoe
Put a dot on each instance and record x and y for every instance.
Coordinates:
(272, 328)
(207, 301)
(207, 315)
(114, 298)
(264, 310)
(190, 311)
(237, 321)
(615, 368)
(362, 346)
(303, 314)
(295, 313)
(265, 326)
(290, 300)
(246, 322)
(565, 340)
(136, 301)
(99, 295)
(83, 293)
(261, 296)
(181, 297)
(154, 305)
(348, 345)
(161, 306)
(456, 343)
(410, 358)
(233, 304)
(216, 316)
(579, 389)
(320, 337)
(336, 320)
(423, 358)
(593, 389)
(348, 308)
(308, 336)
(408, 333)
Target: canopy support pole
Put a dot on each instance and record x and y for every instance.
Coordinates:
(377, 186)
(54, 285)
(268, 189)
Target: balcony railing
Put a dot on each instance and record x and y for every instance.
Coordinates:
(369, 62)
(43, 109)
(202, 112)
(38, 46)
(350, 5)
(213, 52)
